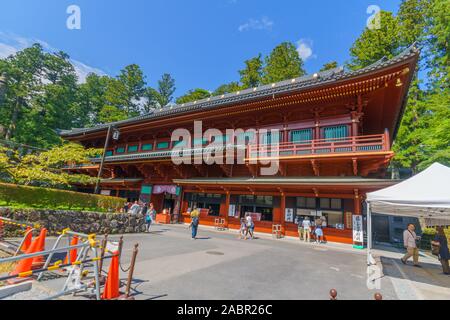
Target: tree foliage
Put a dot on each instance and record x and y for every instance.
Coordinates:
(193, 95)
(252, 74)
(423, 136)
(46, 168)
(283, 63)
(329, 66)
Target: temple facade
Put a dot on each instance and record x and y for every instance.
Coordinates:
(311, 146)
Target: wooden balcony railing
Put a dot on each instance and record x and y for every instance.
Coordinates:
(354, 144)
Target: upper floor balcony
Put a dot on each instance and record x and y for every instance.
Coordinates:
(351, 147)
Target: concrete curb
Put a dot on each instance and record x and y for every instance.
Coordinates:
(15, 288)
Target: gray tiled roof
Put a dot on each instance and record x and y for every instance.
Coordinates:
(301, 83)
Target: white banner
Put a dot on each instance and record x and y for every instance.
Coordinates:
(358, 234)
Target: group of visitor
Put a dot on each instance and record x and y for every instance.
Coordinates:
(439, 247)
(146, 209)
(308, 228)
(247, 227)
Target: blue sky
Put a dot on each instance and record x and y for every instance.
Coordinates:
(202, 43)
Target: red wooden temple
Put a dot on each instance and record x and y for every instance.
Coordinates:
(336, 130)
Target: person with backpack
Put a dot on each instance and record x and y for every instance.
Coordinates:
(194, 222)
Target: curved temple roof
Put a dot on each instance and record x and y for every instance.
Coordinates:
(287, 86)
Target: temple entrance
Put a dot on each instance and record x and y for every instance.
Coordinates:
(169, 202)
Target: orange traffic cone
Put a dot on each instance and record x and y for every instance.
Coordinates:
(39, 260)
(73, 252)
(29, 237)
(24, 265)
(111, 290)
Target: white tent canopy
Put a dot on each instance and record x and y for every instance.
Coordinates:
(425, 195)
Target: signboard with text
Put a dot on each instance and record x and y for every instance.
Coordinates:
(358, 232)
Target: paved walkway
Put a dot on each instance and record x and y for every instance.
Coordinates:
(220, 266)
(426, 283)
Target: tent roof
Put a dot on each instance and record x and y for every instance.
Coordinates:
(425, 195)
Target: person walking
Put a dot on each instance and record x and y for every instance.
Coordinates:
(306, 224)
(300, 228)
(194, 222)
(148, 217)
(410, 242)
(250, 226)
(440, 240)
(152, 211)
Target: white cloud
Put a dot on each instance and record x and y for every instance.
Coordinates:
(257, 24)
(6, 50)
(10, 44)
(83, 70)
(304, 49)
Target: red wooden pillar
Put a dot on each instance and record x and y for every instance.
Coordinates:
(357, 203)
(283, 213)
(227, 208)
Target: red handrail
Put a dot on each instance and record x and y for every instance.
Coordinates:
(378, 142)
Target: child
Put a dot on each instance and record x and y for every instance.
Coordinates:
(243, 229)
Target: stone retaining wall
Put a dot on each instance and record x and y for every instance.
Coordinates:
(85, 222)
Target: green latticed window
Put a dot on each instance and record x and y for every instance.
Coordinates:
(133, 148)
(336, 132)
(270, 138)
(162, 145)
(303, 135)
(147, 147)
(120, 150)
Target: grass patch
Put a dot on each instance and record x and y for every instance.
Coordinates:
(6, 267)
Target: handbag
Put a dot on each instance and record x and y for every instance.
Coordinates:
(435, 249)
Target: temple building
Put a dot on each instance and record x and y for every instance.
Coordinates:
(330, 135)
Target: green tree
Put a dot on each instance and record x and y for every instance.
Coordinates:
(111, 114)
(329, 66)
(283, 63)
(374, 44)
(438, 41)
(91, 100)
(126, 91)
(252, 74)
(227, 88)
(151, 97)
(166, 88)
(193, 95)
(46, 168)
(24, 74)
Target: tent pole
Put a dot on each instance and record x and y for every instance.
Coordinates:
(370, 259)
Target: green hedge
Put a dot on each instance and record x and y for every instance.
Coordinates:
(35, 197)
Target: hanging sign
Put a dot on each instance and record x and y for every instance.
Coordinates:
(159, 189)
(289, 215)
(231, 210)
(358, 232)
